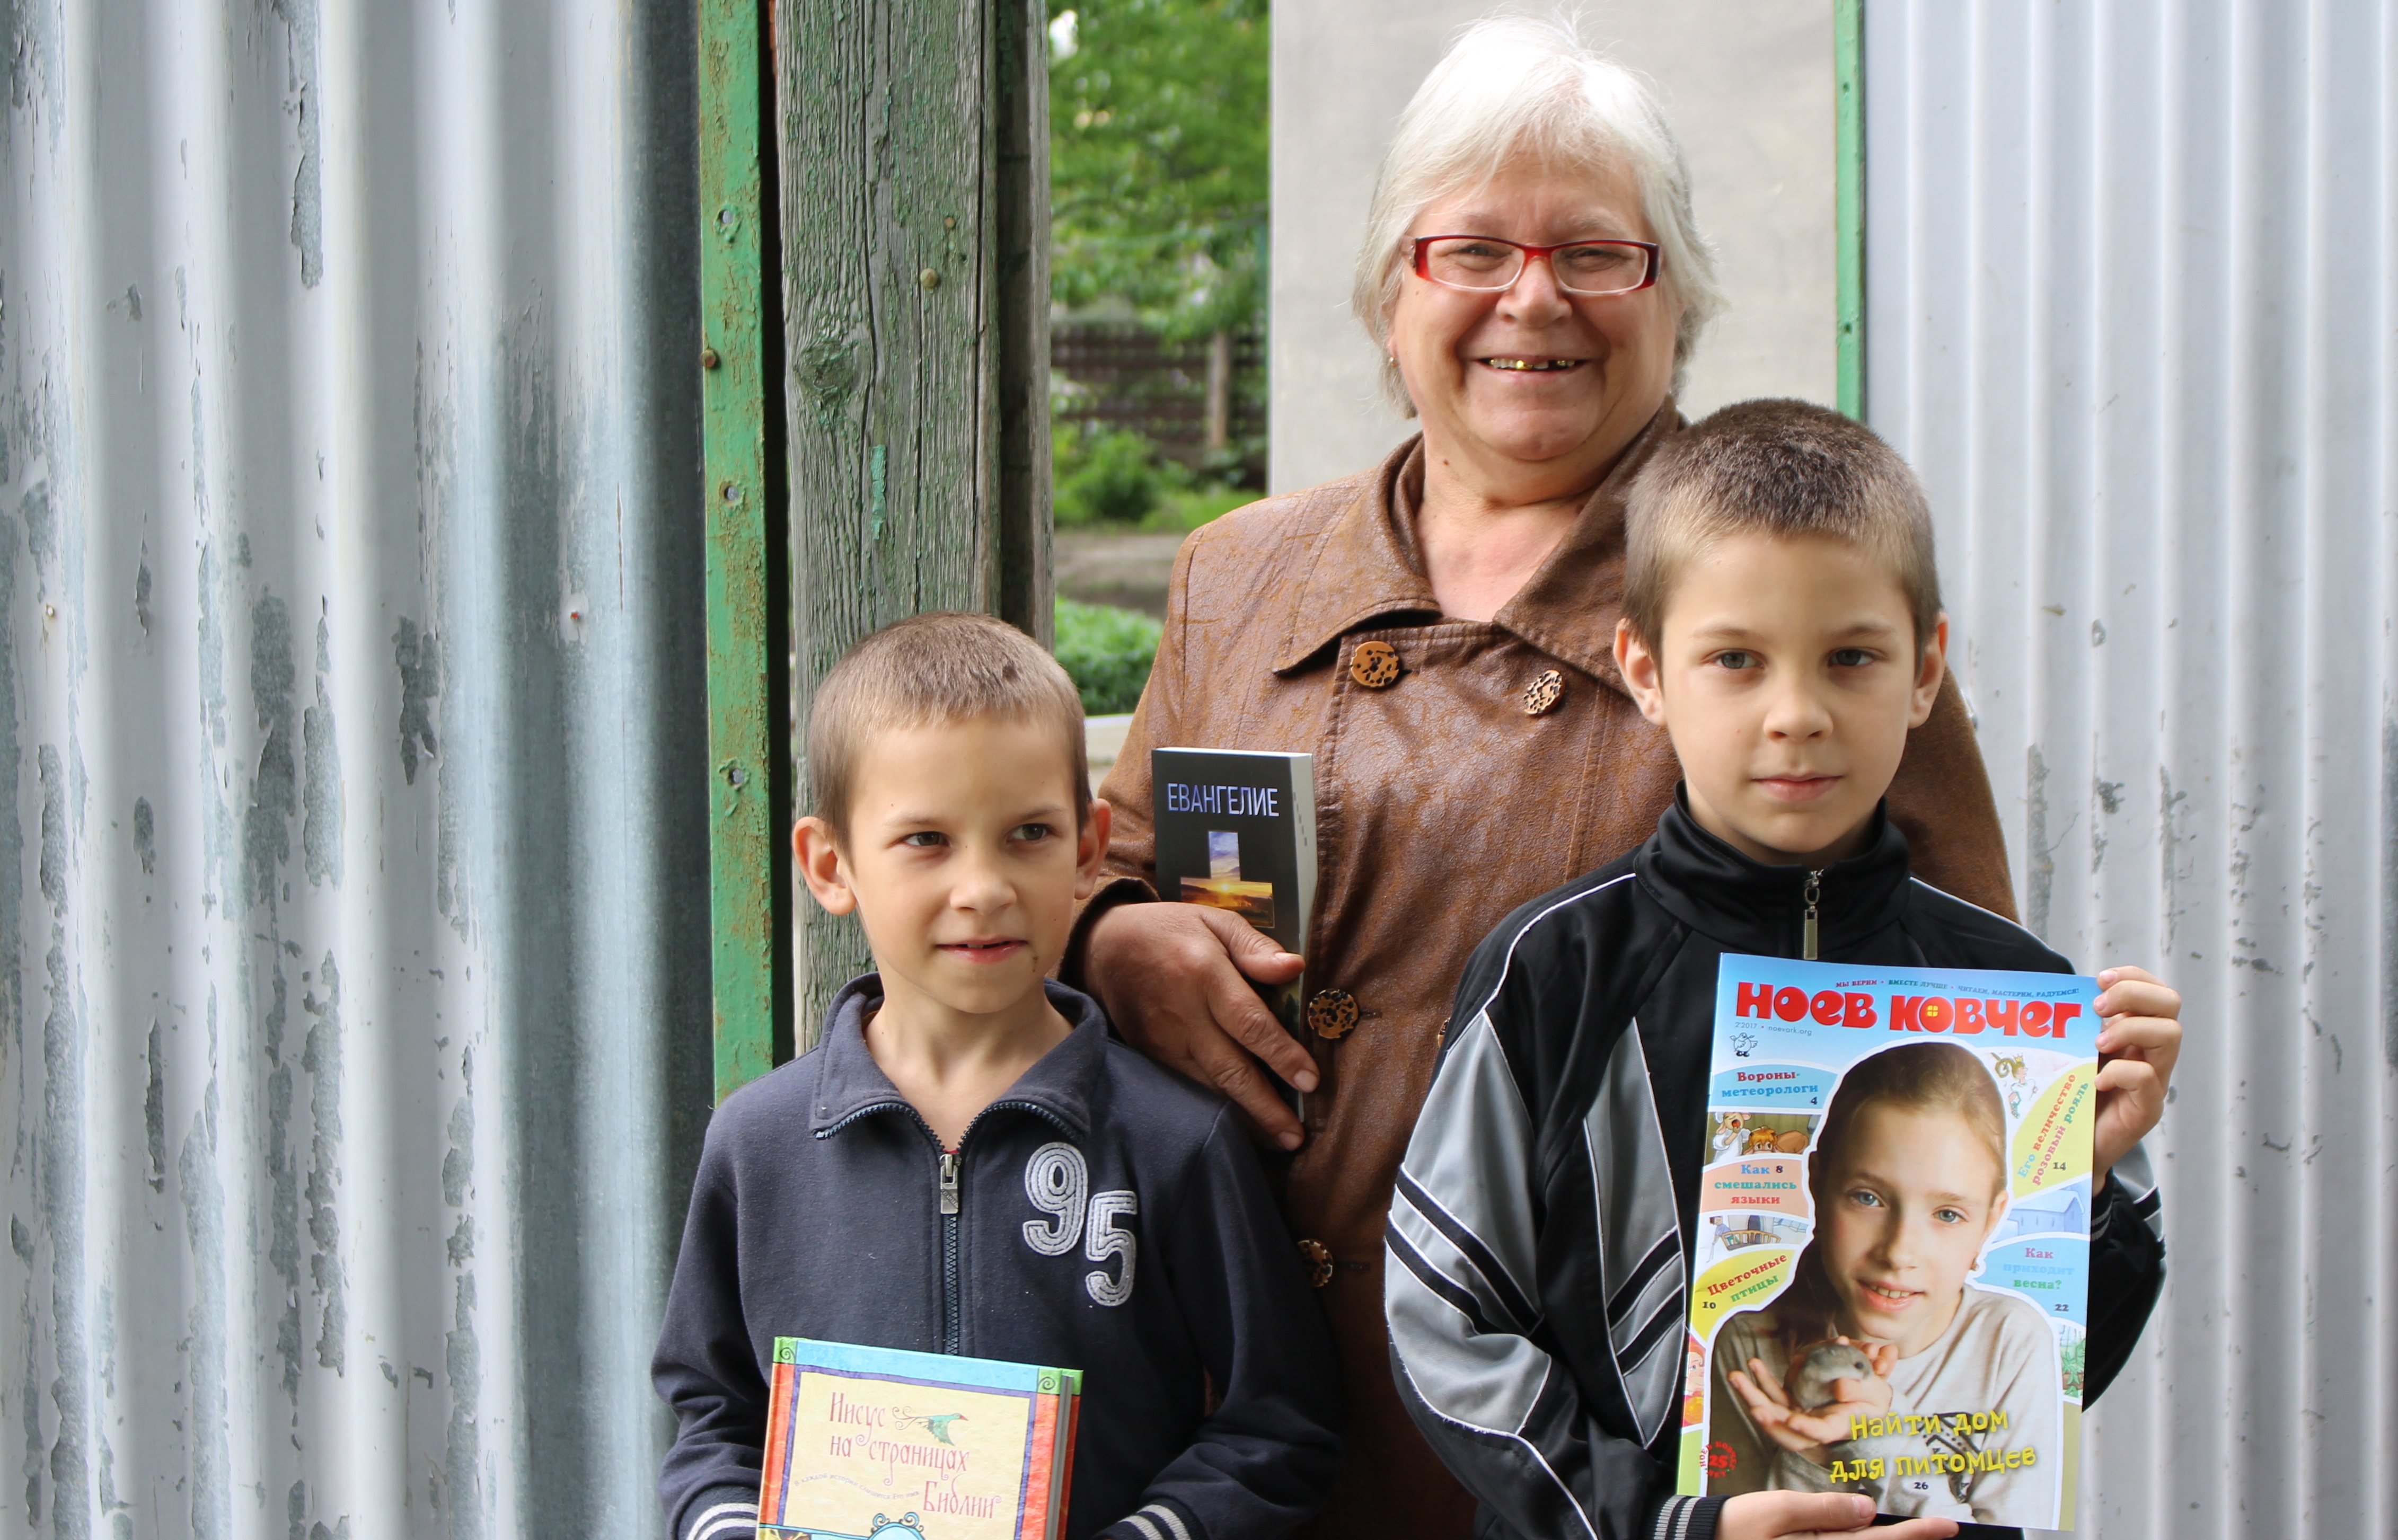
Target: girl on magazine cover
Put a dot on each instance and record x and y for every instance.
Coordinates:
(1956, 1410)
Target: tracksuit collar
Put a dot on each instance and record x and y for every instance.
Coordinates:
(850, 1085)
(1748, 906)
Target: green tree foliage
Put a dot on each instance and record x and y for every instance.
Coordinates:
(1158, 159)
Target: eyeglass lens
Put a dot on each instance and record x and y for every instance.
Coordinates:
(1598, 267)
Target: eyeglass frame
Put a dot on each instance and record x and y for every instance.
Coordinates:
(1655, 253)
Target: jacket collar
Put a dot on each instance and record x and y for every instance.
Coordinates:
(1748, 906)
(1368, 565)
(850, 1085)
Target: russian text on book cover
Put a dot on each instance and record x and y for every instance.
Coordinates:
(872, 1443)
(1892, 1260)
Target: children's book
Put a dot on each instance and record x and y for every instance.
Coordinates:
(877, 1443)
(1892, 1261)
(1236, 831)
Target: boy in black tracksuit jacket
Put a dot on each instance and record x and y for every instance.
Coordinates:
(1083, 1208)
(1542, 1232)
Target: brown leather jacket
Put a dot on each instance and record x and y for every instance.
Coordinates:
(1443, 801)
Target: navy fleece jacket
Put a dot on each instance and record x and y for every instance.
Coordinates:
(1154, 1261)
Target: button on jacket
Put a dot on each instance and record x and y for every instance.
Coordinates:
(1442, 803)
(1103, 1215)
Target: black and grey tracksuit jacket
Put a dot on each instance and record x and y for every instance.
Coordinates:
(1154, 1261)
(1542, 1236)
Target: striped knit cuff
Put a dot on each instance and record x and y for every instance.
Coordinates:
(725, 1513)
(1680, 1518)
(1159, 1520)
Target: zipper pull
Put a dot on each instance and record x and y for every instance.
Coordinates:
(949, 1158)
(1807, 936)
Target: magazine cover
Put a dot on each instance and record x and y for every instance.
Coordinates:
(1236, 831)
(1893, 1238)
(878, 1443)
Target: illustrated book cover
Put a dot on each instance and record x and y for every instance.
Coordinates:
(1889, 1294)
(878, 1443)
(1236, 831)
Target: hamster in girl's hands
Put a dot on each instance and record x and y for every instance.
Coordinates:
(1814, 1369)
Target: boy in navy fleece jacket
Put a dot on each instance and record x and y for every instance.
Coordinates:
(967, 1162)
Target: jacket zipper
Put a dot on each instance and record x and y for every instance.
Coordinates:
(951, 1307)
(952, 1203)
(1814, 894)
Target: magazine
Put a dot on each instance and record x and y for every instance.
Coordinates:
(879, 1443)
(1236, 831)
(1889, 1294)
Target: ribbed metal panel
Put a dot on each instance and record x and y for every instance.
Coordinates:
(2132, 280)
(354, 1019)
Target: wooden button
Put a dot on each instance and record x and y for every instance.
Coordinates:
(1318, 1257)
(1331, 1012)
(1374, 666)
(1543, 693)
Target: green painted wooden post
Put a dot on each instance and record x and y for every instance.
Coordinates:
(913, 147)
(741, 727)
(1849, 197)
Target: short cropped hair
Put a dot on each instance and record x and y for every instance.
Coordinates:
(1514, 85)
(936, 669)
(1779, 468)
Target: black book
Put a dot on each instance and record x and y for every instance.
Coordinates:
(1236, 831)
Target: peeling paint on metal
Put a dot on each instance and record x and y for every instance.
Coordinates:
(322, 1060)
(266, 829)
(2191, 459)
(308, 185)
(418, 662)
(321, 837)
(335, 1057)
(62, 1167)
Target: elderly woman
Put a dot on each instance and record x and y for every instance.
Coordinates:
(1436, 632)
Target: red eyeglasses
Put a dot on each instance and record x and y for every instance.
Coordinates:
(1486, 262)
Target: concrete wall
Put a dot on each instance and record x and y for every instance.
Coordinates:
(1748, 85)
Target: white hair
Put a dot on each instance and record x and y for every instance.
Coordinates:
(1516, 85)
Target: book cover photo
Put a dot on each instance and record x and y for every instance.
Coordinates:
(878, 1443)
(1236, 831)
(1889, 1294)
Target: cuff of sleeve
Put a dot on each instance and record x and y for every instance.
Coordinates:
(1680, 1518)
(2102, 1208)
(721, 1513)
(1117, 892)
(1160, 1518)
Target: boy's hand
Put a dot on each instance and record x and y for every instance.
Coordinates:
(2138, 1040)
(1803, 1514)
(1174, 978)
(1806, 1433)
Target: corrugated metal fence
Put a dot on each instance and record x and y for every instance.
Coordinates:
(2132, 281)
(354, 1018)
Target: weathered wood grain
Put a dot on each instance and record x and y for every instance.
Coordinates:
(913, 137)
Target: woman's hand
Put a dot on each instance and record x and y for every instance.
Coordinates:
(1806, 1433)
(1174, 978)
(2139, 1039)
(1804, 1515)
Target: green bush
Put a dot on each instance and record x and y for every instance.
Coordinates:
(1109, 478)
(1107, 652)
